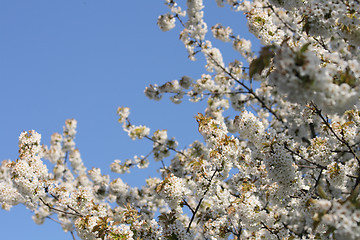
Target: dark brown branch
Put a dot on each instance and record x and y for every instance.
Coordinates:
(297, 154)
(271, 231)
(340, 139)
(318, 180)
(52, 219)
(72, 235)
(321, 43)
(59, 210)
(277, 15)
(71, 208)
(168, 147)
(178, 18)
(304, 166)
(188, 205)
(249, 90)
(199, 204)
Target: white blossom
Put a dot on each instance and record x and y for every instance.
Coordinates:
(166, 22)
(285, 167)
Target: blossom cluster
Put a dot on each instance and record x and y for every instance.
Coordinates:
(279, 158)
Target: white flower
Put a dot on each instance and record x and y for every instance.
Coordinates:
(166, 22)
(138, 132)
(221, 33)
(123, 113)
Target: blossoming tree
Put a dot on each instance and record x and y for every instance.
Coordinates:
(287, 166)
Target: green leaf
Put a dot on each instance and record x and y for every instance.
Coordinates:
(304, 48)
(172, 237)
(259, 64)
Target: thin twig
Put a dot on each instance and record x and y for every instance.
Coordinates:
(250, 91)
(277, 15)
(188, 205)
(199, 204)
(59, 210)
(267, 228)
(72, 235)
(342, 140)
(57, 199)
(168, 147)
(52, 219)
(163, 144)
(181, 22)
(318, 179)
(321, 43)
(297, 154)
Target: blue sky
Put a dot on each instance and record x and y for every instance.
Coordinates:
(82, 59)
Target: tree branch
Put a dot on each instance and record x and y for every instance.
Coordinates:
(199, 204)
(59, 210)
